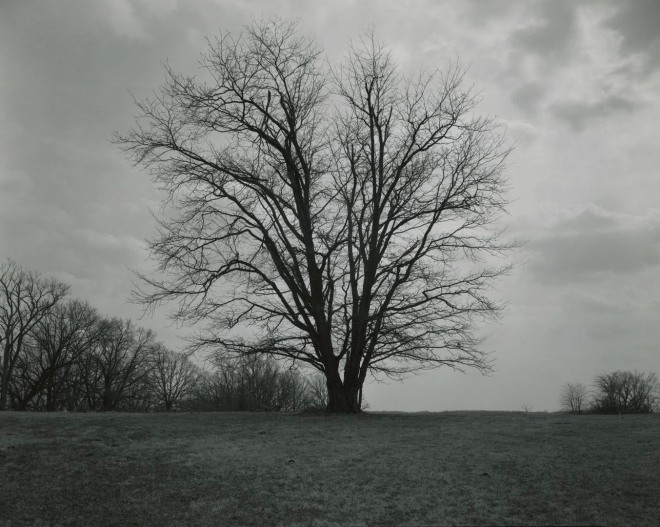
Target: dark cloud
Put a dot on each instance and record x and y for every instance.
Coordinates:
(594, 243)
(638, 23)
(581, 114)
(538, 51)
(552, 33)
(529, 96)
(584, 257)
(565, 59)
(591, 219)
(488, 12)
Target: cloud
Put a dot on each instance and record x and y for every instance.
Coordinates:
(492, 12)
(595, 245)
(121, 16)
(580, 114)
(552, 32)
(637, 24)
(542, 39)
(134, 19)
(529, 96)
(566, 61)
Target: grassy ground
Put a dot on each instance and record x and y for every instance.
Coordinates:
(378, 469)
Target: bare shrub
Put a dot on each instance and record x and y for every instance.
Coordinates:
(626, 392)
(574, 398)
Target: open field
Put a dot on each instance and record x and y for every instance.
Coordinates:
(376, 469)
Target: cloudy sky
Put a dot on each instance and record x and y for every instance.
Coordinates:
(576, 83)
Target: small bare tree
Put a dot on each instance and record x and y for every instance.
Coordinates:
(574, 398)
(293, 393)
(339, 216)
(25, 299)
(318, 392)
(258, 382)
(173, 377)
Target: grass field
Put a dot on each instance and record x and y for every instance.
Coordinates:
(376, 469)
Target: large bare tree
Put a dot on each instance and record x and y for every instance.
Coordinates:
(336, 216)
(25, 299)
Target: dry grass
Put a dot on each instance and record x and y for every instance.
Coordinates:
(378, 469)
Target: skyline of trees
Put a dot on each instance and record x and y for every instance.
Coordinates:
(64, 355)
(72, 358)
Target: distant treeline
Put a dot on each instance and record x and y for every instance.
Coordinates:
(619, 392)
(61, 354)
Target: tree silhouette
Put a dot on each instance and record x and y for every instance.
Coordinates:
(25, 299)
(332, 216)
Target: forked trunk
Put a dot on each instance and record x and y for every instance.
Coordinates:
(343, 398)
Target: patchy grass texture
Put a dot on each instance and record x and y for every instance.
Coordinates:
(457, 468)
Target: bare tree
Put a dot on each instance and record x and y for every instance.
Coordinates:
(212, 392)
(626, 392)
(318, 392)
(293, 392)
(55, 345)
(574, 398)
(25, 299)
(257, 383)
(117, 369)
(339, 216)
(173, 377)
(252, 383)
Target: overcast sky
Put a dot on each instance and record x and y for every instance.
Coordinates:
(576, 83)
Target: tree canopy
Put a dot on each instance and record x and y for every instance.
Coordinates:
(332, 215)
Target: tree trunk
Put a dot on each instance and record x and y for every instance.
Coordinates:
(51, 401)
(4, 373)
(108, 401)
(342, 398)
(3, 395)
